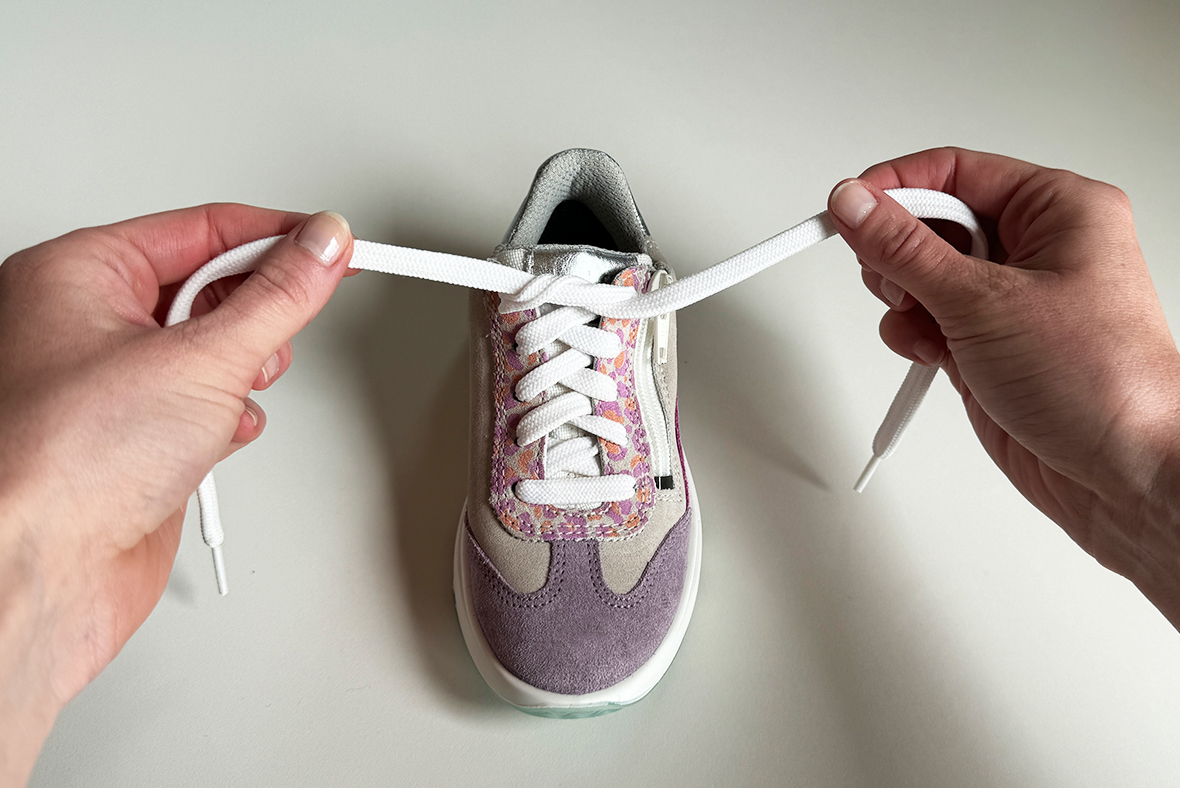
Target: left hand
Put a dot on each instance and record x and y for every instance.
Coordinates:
(108, 422)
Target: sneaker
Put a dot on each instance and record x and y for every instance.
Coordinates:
(578, 552)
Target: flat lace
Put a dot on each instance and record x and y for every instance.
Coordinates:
(573, 469)
(588, 301)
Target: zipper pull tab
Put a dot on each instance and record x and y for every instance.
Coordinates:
(662, 325)
(663, 322)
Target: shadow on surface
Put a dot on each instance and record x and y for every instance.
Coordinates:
(411, 353)
(181, 587)
(909, 710)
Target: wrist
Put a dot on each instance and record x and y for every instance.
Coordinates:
(28, 700)
(1157, 539)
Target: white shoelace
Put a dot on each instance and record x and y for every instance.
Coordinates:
(580, 303)
(573, 473)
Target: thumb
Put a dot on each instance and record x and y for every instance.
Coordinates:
(290, 286)
(899, 247)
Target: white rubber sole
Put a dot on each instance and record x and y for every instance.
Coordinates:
(543, 703)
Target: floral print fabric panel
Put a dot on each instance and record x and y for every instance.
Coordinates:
(512, 463)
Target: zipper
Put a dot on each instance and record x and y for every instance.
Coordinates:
(653, 350)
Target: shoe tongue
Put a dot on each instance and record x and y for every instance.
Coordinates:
(586, 262)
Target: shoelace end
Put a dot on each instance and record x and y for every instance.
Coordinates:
(219, 571)
(867, 474)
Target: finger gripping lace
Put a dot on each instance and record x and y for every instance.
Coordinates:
(572, 457)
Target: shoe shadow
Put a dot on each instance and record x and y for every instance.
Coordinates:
(906, 702)
(760, 439)
(411, 355)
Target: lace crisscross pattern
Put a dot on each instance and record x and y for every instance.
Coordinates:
(586, 471)
(566, 417)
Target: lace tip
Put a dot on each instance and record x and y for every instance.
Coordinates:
(219, 571)
(867, 474)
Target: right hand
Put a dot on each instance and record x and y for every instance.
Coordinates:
(1058, 344)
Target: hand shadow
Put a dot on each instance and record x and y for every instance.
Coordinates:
(411, 354)
(904, 698)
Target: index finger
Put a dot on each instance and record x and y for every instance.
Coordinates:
(174, 244)
(986, 182)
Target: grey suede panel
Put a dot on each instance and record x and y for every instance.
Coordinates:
(575, 635)
(623, 560)
(523, 564)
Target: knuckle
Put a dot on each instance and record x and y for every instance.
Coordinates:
(26, 263)
(947, 153)
(84, 236)
(204, 344)
(190, 335)
(11, 271)
(56, 258)
(1091, 200)
(1105, 204)
(997, 295)
(902, 244)
(15, 260)
(999, 283)
(1116, 198)
(35, 272)
(283, 287)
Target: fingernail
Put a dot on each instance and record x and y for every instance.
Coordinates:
(892, 292)
(325, 234)
(270, 368)
(852, 202)
(250, 412)
(930, 353)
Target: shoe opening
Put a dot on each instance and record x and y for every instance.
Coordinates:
(580, 197)
(573, 223)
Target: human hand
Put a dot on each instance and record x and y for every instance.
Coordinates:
(108, 422)
(1058, 345)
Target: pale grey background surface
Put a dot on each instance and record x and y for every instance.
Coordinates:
(935, 631)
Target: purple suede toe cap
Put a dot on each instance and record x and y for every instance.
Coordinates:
(574, 635)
